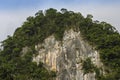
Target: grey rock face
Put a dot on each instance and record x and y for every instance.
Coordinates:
(66, 57)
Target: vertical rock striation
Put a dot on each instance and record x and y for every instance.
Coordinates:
(66, 56)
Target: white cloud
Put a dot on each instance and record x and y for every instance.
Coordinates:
(10, 20)
(108, 14)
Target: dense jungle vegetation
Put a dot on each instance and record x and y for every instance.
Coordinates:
(103, 36)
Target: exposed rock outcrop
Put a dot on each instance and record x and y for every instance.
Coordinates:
(66, 56)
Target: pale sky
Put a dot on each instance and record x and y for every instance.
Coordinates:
(14, 12)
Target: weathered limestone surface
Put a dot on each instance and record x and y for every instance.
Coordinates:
(66, 57)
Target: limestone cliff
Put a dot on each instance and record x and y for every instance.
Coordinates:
(66, 56)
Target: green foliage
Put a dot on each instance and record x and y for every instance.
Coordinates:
(88, 66)
(34, 30)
